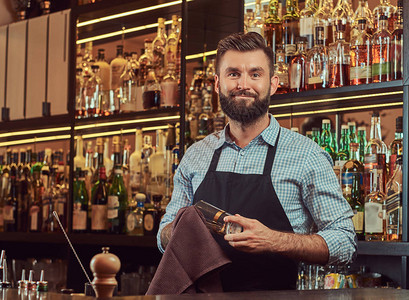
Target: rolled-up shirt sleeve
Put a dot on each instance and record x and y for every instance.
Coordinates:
(182, 196)
(322, 195)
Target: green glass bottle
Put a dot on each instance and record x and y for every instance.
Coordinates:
(352, 188)
(316, 135)
(117, 196)
(352, 136)
(326, 137)
(362, 141)
(80, 205)
(343, 154)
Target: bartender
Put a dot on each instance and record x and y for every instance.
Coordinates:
(279, 185)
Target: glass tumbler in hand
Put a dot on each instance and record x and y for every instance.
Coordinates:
(214, 219)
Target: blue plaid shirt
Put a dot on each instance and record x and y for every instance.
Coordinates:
(302, 177)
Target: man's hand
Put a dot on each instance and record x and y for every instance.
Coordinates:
(166, 234)
(258, 238)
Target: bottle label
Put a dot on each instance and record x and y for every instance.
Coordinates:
(99, 217)
(361, 72)
(296, 73)
(283, 79)
(381, 69)
(135, 179)
(358, 220)
(79, 219)
(169, 93)
(148, 222)
(290, 49)
(130, 222)
(8, 214)
(306, 26)
(373, 217)
(113, 206)
(315, 80)
(34, 212)
(349, 177)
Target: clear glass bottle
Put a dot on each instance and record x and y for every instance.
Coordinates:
(397, 44)
(317, 63)
(127, 91)
(79, 94)
(158, 50)
(79, 159)
(157, 165)
(339, 59)
(135, 164)
(343, 14)
(256, 24)
(105, 72)
(396, 147)
(381, 47)
(93, 93)
(352, 188)
(248, 17)
(323, 18)
(362, 12)
(171, 48)
(307, 22)
(273, 29)
(394, 204)
(375, 158)
(145, 61)
(169, 87)
(151, 95)
(281, 70)
(297, 67)
(135, 218)
(117, 195)
(291, 28)
(361, 56)
(384, 8)
(118, 65)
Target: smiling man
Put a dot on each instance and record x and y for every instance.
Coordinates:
(279, 184)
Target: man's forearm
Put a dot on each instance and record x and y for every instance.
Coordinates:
(166, 234)
(307, 248)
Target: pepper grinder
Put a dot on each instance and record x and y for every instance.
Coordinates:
(104, 266)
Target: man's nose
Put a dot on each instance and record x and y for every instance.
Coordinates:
(242, 83)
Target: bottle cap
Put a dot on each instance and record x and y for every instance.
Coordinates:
(351, 124)
(361, 21)
(345, 127)
(140, 197)
(361, 128)
(375, 114)
(326, 121)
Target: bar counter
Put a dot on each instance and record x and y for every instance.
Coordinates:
(344, 294)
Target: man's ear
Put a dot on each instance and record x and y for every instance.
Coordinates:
(216, 83)
(273, 84)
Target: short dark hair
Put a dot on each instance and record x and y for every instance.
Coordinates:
(244, 42)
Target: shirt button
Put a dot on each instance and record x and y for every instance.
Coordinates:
(242, 153)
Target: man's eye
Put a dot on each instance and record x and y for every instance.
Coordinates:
(233, 75)
(256, 75)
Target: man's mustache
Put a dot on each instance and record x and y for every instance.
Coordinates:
(243, 93)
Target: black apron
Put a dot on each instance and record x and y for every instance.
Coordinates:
(252, 196)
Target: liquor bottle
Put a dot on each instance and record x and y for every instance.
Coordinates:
(79, 159)
(151, 93)
(381, 46)
(147, 151)
(117, 67)
(94, 88)
(134, 221)
(317, 62)
(47, 203)
(291, 28)
(105, 71)
(326, 138)
(171, 48)
(316, 135)
(307, 22)
(308, 134)
(108, 163)
(397, 44)
(396, 147)
(45, 168)
(339, 59)
(342, 154)
(297, 67)
(145, 61)
(10, 216)
(79, 94)
(248, 17)
(135, 164)
(35, 209)
(362, 142)
(157, 164)
(256, 24)
(86, 59)
(89, 168)
(343, 14)
(128, 89)
(273, 29)
(219, 120)
(152, 216)
(80, 204)
(169, 87)
(375, 158)
(362, 12)
(99, 198)
(384, 8)
(323, 18)
(361, 56)
(158, 49)
(281, 70)
(170, 144)
(352, 188)
(394, 204)
(117, 196)
(25, 191)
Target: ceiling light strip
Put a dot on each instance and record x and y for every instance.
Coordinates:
(37, 131)
(98, 125)
(119, 32)
(119, 132)
(334, 110)
(35, 140)
(335, 99)
(128, 13)
(208, 53)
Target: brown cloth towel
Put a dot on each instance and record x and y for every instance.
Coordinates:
(192, 261)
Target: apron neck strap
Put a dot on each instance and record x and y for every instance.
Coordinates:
(268, 164)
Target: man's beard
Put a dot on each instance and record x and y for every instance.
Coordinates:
(242, 112)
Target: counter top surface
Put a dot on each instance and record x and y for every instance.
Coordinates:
(345, 294)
